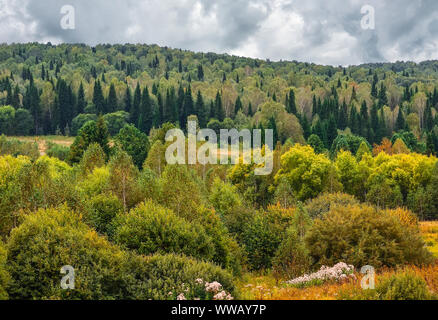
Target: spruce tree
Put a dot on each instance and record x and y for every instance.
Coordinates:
(237, 105)
(135, 109)
(112, 104)
(201, 111)
(98, 99)
(220, 114)
(128, 99)
(291, 107)
(400, 124)
(81, 103)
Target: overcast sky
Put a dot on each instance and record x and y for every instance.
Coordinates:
(320, 31)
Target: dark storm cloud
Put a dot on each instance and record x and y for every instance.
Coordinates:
(324, 31)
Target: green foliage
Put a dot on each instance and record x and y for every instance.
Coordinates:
(404, 286)
(322, 204)
(15, 148)
(150, 228)
(135, 143)
(262, 236)
(4, 274)
(116, 121)
(101, 211)
(50, 239)
(91, 132)
(361, 235)
(57, 151)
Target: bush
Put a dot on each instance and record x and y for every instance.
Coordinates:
(150, 228)
(292, 258)
(16, 148)
(50, 239)
(362, 235)
(319, 206)
(57, 151)
(176, 274)
(404, 286)
(101, 210)
(4, 275)
(261, 237)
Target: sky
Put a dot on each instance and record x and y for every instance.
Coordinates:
(319, 31)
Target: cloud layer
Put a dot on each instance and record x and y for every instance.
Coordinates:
(320, 31)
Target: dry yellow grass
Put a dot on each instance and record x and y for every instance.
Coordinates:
(429, 231)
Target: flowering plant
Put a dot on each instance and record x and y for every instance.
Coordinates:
(200, 290)
(339, 272)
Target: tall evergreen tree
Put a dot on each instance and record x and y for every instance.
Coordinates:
(81, 103)
(146, 116)
(98, 99)
(400, 124)
(112, 103)
(201, 111)
(291, 106)
(220, 114)
(128, 99)
(135, 110)
(238, 105)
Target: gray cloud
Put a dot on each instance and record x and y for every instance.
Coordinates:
(323, 31)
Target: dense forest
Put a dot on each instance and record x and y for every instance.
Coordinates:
(56, 89)
(355, 171)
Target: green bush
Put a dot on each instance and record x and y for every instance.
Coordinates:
(57, 151)
(322, 204)
(53, 238)
(150, 228)
(362, 235)
(261, 237)
(16, 148)
(50, 239)
(4, 274)
(292, 258)
(404, 286)
(101, 210)
(173, 273)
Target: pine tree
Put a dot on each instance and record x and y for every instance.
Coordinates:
(250, 111)
(135, 109)
(200, 73)
(343, 116)
(291, 107)
(128, 99)
(400, 123)
(374, 86)
(238, 105)
(112, 104)
(81, 104)
(273, 127)
(332, 131)
(220, 115)
(146, 115)
(201, 111)
(98, 99)
(383, 99)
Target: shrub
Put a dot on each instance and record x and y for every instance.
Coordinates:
(261, 237)
(404, 286)
(4, 274)
(362, 235)
(176, 274)
(150, 228)
(57, 151)
(16, 148)
(50, 239)
(319, 206)
(101, 210)
(292, 257)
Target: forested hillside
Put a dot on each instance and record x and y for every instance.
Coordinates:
(46, 89)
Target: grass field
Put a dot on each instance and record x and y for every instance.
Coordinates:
(266, 287)
(43, 141)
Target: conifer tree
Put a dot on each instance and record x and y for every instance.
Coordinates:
(135, 109)
(112, 104)
(81, 103)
